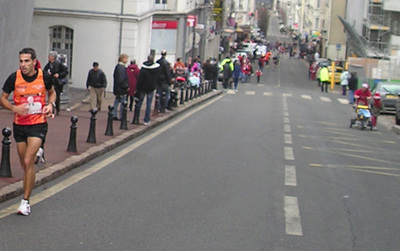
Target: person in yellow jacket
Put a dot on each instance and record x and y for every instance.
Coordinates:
(227, 70)
(324, 78)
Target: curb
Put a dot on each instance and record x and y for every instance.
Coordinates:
(52, 172)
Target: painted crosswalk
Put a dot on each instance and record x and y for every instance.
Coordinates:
(341, 100)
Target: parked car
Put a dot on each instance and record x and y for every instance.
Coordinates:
(389, 92)
(398, 112)
(337, 74)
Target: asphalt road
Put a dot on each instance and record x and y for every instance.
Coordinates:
(274, 166)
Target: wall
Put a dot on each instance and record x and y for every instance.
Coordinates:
(15, 26)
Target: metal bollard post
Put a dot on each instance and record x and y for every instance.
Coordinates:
(187, 94)
(191, 93)
(136, 113)
(5, 167)
(72, 135)
(109, 129)
(124, 108)
(92, 130)
(182, 101)
(156, 105)
(196, 89)
(163, 101)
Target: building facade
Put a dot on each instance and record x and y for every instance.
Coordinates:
(88, 31)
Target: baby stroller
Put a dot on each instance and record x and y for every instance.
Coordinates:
(362, 119)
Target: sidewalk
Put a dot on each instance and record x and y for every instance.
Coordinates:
(58, 160)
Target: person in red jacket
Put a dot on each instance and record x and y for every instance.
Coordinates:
(133, 73)
(362, 95)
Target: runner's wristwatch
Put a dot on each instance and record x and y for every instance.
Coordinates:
(53, 104)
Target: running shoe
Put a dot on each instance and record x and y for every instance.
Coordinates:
(24, 208)
(40, 156)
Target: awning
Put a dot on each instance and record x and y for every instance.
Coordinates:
(239, 30)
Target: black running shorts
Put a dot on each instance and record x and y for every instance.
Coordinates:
(23, 132)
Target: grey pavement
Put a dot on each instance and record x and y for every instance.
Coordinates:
(58, 159)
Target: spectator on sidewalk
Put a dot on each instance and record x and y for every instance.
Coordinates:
(376, 106)
(324, 78)
(259, 74)
(227, 68)
(353, 83)
(29, 85)
(344, 82)
(121, 85)
(59, 73)
(96, 83)
(146, 85)
(133, 74)
(237, 74)
(164, 78)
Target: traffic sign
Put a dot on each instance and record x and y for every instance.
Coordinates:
(191, 20)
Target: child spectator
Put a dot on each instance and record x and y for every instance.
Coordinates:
(258, 74)
(375, 109)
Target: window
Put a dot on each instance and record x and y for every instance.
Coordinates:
(61, 40)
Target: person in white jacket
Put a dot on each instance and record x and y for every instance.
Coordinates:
(344, 82)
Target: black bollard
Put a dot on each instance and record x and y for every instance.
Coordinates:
(187, 94)
(92, 130)
(156, 105)
(109, 129)
(196, 89)
(72, 135)
(182, 101)
(163, 101)
(5, 167)
(191, 93)
(173, 100)
(136, 114)
(124, 121)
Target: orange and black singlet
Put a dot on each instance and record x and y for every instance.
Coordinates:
(32, 94)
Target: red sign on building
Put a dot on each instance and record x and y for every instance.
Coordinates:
(164, 25)
(191, 21)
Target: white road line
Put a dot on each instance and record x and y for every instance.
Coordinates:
(288, 139)
(306, 97)
(85, 173)
(287, 95)
(286, 120)
(267, 93)
(250, 93)
(325, 99)
(290, 176)
(289, 153)
(260, 85)
(287, 128)
(292, 216)
(343, 101)
(231, 92)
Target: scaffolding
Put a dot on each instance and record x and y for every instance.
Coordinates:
(376, 28)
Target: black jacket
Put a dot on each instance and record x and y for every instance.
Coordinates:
(148, 76)
(210, 71)
(121, 83)
(164, 77)
(57, 67)
(96, 79)
(353, 83)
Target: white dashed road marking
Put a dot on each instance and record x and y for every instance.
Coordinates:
(292, 216)
(325, 99)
